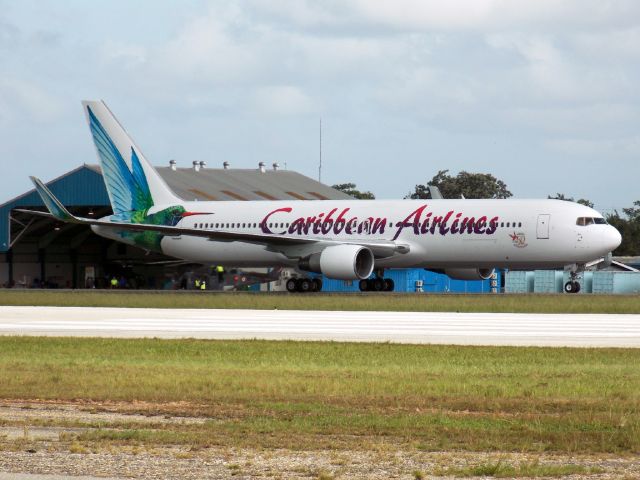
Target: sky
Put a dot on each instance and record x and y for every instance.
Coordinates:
(545, 95)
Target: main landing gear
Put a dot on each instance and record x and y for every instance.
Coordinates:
(377, 284)
(304, 285)
(572, 286)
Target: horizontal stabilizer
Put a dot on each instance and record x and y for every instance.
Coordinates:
(51, 202)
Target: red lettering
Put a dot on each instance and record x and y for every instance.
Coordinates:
(317, 226)
(297, 226)
(378, 225)
(435, 224)
(264, 224)
(327, 225)
(340, 222)
(454, 227)
(425, 225)
(412, 220)
(493, 226)
(467, 225)
(443, 226)
(351, 225)
(480, 225)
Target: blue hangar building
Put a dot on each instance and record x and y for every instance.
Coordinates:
(39, 252)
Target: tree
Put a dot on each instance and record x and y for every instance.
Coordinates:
(471, 185)
(350, 189)
(629, 228)
(581, 201)
(633, 213)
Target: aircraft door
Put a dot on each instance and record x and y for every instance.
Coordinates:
(543, 226)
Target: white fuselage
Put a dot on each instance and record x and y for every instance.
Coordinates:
(515, 234)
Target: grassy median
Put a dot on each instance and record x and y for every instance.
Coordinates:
(511, 303)
(306, 395)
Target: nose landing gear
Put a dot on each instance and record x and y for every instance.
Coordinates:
(572, 286)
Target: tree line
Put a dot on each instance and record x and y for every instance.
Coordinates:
(485, 185)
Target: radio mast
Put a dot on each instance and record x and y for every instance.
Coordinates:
(320, 166)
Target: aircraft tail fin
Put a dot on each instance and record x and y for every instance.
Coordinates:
(54, 205)
(132, 183)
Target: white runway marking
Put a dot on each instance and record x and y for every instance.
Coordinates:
(587, 330)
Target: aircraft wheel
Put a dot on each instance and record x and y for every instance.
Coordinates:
(377, 284)
(316, 284)
(305, 285)
(389, 285)
(363, 285)
(292, 285)
(571, 287)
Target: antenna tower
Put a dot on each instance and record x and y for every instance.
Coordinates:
(320, 166)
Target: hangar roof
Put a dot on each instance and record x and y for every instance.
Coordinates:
(244, 184)
(82, 190)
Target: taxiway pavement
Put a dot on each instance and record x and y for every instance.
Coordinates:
(584, 330)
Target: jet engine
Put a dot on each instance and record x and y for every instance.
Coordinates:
(469, 273)
(342, 262)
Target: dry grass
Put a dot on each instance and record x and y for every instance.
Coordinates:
(502, 469)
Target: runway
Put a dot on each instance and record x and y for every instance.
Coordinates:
(584, 330)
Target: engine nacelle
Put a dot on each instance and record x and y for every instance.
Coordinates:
(469, 273)
(342, 262)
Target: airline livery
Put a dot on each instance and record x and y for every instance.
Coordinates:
(346, 239)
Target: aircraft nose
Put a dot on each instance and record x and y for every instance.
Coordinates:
(613, 238)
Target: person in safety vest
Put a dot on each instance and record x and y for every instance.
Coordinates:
(203, 285)
(114, 282)
(220, 270)
(197, 283)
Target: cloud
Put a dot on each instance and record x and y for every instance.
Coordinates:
(454, 15)
(609, 47)
(128, 55)
(283, 100)
(215, 47)
(469, 81)
(21, 97)
(8, 33)
(608, 148)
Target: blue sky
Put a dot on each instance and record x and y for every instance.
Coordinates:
(543, 94)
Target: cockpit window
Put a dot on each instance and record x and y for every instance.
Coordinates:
(584, 221)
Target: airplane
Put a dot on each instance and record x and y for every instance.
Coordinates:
(341, 239)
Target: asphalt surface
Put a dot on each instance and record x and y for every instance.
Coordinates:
(584, 330)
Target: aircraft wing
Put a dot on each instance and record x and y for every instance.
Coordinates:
(288, 245)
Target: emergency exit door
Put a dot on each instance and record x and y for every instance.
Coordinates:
(543, 225)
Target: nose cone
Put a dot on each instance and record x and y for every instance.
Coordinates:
(612, 239)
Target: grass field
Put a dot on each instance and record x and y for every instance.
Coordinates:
(380, 302)
(306, 395)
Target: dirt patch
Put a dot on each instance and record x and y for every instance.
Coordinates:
(41, 438)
